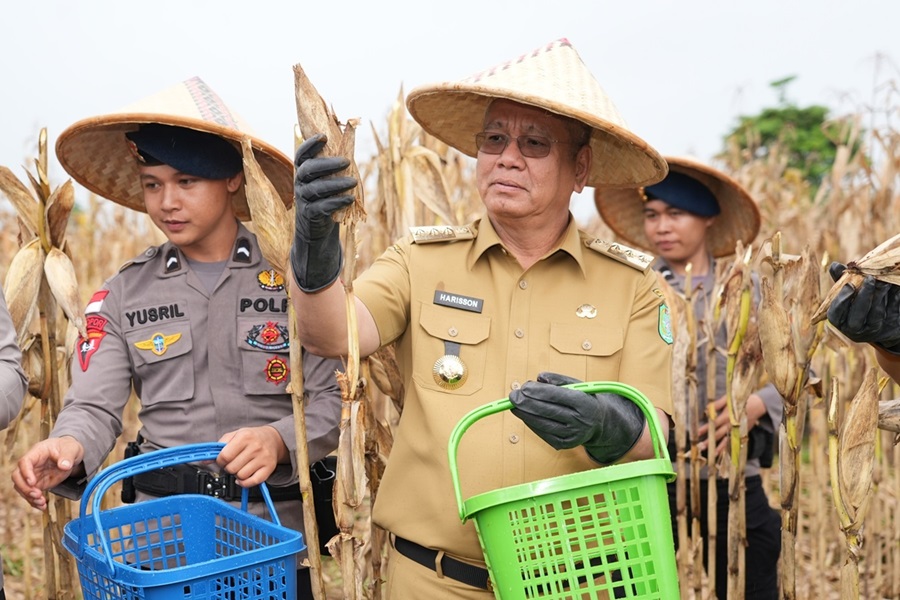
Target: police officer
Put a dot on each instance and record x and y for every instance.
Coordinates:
(694, 216)
(197, 326)
(515, 304)
(13, 382)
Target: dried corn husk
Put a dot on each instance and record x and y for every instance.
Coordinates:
(273, 223)
(857, 447)
(63, 283)
(777, 341)
(59, 207)
(882, 263)
(23, 280)
(26, 206)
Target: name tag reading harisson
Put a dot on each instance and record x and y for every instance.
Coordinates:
(458, 301)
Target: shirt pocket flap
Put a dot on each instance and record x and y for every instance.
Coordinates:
(454, 325)
(577, 338)
(151, 345)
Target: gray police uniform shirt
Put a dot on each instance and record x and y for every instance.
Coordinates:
(203, 364)
(13, 382)
(770, 396)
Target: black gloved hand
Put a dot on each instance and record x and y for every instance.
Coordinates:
(868, 314)
(316, 255)
(606, 424)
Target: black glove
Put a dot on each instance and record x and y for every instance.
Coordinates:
(606, 424)
(316, 255)
(868, 314)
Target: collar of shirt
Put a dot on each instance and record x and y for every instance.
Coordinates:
(245, 253)
(486, 238)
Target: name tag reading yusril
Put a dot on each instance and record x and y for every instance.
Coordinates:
(458, 301)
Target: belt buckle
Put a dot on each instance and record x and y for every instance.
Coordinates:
(216, 485)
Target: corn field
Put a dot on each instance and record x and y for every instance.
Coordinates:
(836, 477)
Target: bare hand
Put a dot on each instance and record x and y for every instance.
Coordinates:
(46, 465)
(756, 408)
(251, 454)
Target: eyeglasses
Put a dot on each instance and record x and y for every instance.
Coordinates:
(532, 146)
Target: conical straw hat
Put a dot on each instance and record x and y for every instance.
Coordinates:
(623, 209)
(95, 152)
(553, 78)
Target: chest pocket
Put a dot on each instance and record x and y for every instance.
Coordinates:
(586, 352)
(469, 330)
(163, 362)
(265, 354)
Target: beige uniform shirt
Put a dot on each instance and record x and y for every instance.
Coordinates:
(577, 312)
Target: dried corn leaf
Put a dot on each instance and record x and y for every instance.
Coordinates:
(882, 263)
(23, 281)
(273, 223)
(746, 369)
(857, 446)
(26, 206)
(59, 207)
(64, 284)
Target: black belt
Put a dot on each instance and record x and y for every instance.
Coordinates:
(452, 568)
(185, 479)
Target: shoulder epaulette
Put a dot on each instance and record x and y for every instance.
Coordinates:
(629, 256)
(141, 258)
(441, 233)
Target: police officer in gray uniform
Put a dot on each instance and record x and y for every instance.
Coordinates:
(197, 326)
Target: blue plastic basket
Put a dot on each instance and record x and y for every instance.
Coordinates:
(188, 546)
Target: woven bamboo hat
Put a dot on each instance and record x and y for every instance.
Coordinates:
(96, 154)
(738, 219)
(555, 79)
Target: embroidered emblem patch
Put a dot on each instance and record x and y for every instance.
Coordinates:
(665, 324)
(276, 370)
(271, 337)
(586, 311)
(94, 325)
(159, 343)
(270, 280)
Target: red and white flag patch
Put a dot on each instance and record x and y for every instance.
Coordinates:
(96, 302)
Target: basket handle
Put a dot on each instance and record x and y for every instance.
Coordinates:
(589, 387)
(142, 463)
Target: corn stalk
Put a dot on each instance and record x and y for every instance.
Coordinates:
(313, 117)
(40, 281)
(851, 454)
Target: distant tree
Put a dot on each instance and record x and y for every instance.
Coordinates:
(805, 134)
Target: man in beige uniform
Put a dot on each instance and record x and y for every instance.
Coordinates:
(197, 325)
(513, 305)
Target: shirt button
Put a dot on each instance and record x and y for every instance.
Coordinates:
(523, 284)
(453, 332)
(515, 385)
(520, 333)
(586, 344)
(513, 439)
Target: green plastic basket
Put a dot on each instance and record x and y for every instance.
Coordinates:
(604, 532)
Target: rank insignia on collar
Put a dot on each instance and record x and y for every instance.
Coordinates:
(173, 262)
(159, 343)
(271, 337)
(242, 251)
(270, 280)
(276, 370)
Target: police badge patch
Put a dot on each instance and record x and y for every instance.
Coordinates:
(276, 370)
(270, 280)
(665, 324)
(271, 337)
(94, 326)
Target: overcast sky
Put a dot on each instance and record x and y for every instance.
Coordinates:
(680, 72)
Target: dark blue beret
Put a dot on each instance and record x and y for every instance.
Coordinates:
(189, 151)
(684, 192)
